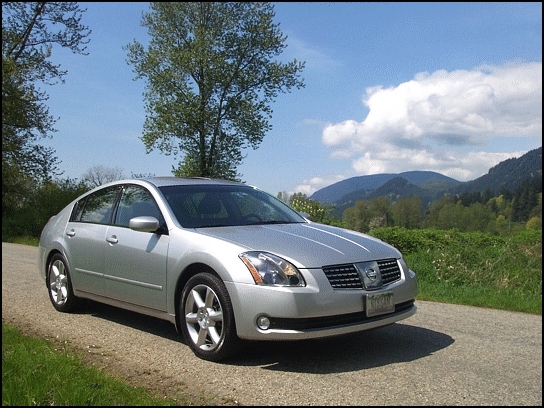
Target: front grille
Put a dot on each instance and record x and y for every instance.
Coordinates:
(347, 276)
(389, 268)
(343, 277)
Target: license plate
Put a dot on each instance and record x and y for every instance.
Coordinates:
(379, 303)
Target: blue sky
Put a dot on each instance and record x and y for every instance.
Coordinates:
(454, 88)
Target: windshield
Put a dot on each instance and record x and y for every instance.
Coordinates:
(199, 206)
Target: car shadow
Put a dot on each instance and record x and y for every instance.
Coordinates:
(137, 321)
(396, 343)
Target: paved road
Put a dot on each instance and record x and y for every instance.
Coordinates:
(444, 355)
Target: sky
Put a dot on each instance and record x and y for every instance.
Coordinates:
(454, 88)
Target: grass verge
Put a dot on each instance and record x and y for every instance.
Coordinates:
(34, 372)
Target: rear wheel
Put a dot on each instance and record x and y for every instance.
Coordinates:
(207, 318)
(59, 285)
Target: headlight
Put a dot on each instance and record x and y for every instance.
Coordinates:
(268, 269)
(407, 271)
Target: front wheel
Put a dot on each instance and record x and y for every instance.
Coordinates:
(207, 318)
(59, 285)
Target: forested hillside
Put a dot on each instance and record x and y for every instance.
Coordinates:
(359, 187)
(507, 199)
(508, 174)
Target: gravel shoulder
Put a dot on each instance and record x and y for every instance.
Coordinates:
(444, 355)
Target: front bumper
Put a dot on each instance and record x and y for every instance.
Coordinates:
(314, 311)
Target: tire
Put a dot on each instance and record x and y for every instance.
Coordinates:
(59, 285)
(207, 319)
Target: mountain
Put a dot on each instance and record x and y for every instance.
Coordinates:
(508, 174)
(397, 187)
(336, 191)
(429, 185)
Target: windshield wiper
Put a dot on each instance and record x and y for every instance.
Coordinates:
(270, 222)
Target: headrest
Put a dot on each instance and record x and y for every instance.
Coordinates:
(210, 204)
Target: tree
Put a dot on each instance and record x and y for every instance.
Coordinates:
(358, 217)
(29, 32)
(534, 223)
(407, 212)
(98, 175)
(314, 209)
(525, 198)
(29, 218)
(211, 77)
(283, 196)
(380, 212)
(477, 217)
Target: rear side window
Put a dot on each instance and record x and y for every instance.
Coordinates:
(96, 208)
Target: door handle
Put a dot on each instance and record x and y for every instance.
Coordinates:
(71, 233)
(112, 240)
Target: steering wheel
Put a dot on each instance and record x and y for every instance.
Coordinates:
(252, 217)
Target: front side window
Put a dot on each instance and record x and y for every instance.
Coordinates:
(136, 201)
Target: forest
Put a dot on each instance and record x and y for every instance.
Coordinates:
(508, 212)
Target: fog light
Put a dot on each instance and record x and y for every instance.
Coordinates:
(263, 322)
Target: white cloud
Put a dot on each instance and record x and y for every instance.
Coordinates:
(310, 186)
(442, 121)
(311, 55)
(463, 167)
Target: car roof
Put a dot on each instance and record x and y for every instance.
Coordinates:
(176, 181)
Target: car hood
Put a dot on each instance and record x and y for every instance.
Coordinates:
(307, 245)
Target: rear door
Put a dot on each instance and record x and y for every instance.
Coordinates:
(86, 239)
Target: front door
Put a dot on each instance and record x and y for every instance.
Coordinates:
(135, 261)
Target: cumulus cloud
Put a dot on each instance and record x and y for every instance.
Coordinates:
(310, 186)
(442, 121)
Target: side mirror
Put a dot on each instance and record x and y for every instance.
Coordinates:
(306, 215)
(144, 224)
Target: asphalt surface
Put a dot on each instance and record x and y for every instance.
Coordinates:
(443, 355)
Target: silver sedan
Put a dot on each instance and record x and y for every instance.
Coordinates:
(223, 261)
